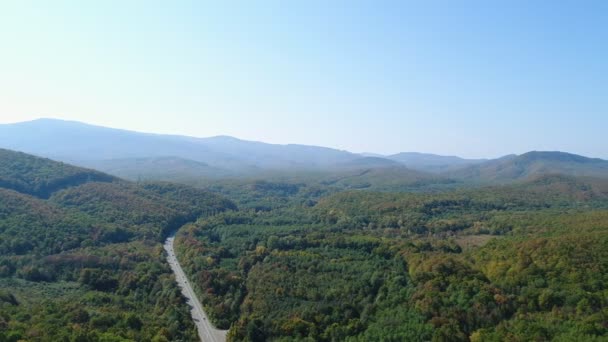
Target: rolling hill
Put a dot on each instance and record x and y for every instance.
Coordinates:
(518, 262)
(432, 162)
(368, 162)
(387, 178)
(41, 177)
(80, 253)
(532, 164)
(174, 169)
(82, 259)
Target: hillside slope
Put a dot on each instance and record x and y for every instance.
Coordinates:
(174, 169)
(531, 164)
(432, 162)
(41, 177)
(387, 178)
(86, 263)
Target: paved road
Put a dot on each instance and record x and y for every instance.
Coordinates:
(206, 331)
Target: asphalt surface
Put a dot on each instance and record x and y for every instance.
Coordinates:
(206, 331)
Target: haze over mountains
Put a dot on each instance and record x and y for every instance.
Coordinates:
(80, 250)
(533, 164)
(57, 139)
(432, 162)
(135, 155)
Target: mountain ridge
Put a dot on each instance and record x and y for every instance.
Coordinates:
(532, 164)
(137, 155)
(55, 139)
(432, 162)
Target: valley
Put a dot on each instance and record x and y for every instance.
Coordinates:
(303, 171)
(362, 249)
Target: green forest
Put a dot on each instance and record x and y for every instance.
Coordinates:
(81, 256)
(524, 262)
(301, 259)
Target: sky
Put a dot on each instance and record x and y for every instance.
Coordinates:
(467, 78)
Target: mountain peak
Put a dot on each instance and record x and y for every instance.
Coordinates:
(533, 164)
(557, 156)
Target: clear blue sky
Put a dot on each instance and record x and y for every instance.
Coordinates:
(471, 78)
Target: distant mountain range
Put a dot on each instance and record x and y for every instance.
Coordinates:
(84, 144)
(134, 155)
(432, 162)
(530, 165)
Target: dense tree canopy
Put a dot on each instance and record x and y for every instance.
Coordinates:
(41, 177)
(521, 262)
(86, 263)
(278, 260)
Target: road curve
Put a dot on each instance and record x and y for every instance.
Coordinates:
(206, 331)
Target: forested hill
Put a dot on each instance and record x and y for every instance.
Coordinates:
(548, 191)
(40, 176)
(80, 253)
(532, 164)
(432, 162)
(47, 192)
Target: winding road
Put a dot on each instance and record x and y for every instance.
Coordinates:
(206, 331)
